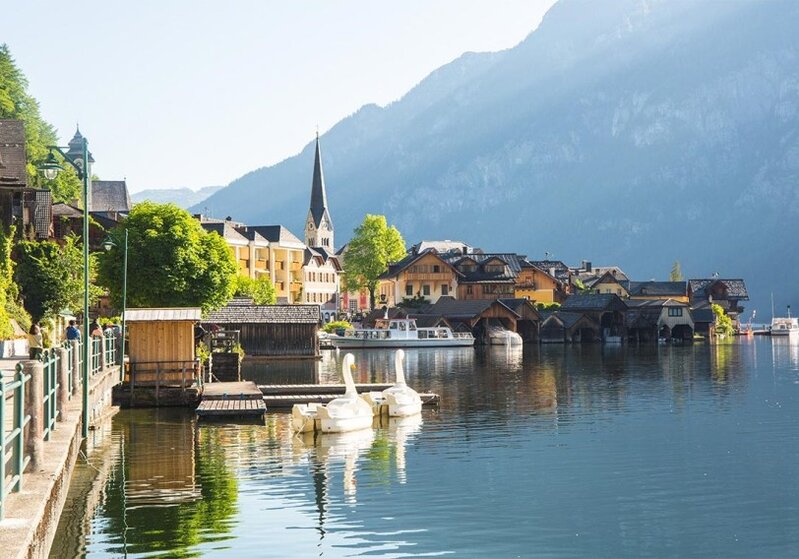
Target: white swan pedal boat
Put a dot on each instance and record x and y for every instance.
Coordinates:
(399, 400)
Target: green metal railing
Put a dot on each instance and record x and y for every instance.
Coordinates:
(97, 347)
(15, 391)
(67, 345)
(50, 360)
(110, 342)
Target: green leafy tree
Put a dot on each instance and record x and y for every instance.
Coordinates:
(6, 281)
(172, 261)
(17, 103)
(260, 290)
(50, 276)
(724, 326)
(368, 254)
(676, 272)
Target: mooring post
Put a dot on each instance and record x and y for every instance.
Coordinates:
(34, 407)
(62, 375)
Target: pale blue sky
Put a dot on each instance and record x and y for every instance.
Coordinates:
(197, 93)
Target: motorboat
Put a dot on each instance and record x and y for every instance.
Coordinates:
(497, 335)
(401, 332)
(399, 400)
(785, 327)
(345, 413)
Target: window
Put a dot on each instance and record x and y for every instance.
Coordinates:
(436, 268)
(675, 311)
(409, 289)
(445, 289)
(468, 289)
(426, 290)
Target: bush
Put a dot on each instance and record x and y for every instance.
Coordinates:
(331, 327)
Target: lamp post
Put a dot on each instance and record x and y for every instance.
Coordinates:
(78, 156)
(108, 244)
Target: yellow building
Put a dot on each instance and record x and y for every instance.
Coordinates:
(424, 275)
(537, 285)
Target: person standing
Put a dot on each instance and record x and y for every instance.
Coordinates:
(95, 330)
(35, 342)
(73, 332)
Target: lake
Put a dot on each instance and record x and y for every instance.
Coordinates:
(553, 451)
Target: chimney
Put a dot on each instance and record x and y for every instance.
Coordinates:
(587, 265)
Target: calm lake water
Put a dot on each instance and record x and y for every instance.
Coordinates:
(550, 452)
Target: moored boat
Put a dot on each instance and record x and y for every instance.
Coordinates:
(401, 333)
(399, 400)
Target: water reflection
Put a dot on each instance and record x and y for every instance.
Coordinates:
(785, 353)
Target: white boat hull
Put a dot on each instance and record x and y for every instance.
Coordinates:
(346, 342)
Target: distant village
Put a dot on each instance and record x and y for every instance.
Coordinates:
(438, 282)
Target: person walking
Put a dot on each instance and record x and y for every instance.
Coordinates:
(95, 330)
(35, 342)
(73, 332)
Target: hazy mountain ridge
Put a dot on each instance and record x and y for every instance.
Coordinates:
(637, 134)
(183, 197)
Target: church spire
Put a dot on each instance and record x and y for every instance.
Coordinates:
(319, 229)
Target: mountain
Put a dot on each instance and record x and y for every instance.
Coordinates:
(183, 197)
(629, 132)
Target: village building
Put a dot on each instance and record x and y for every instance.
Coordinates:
(727, 293)
(270, 330)
(424, 276)
(478, 316)
(607, 282)
(284, 259)
(538, 285)
(486, 276)
(568, 327)
(658, 290)
(607, 309)
(28, 209)
(650, 320)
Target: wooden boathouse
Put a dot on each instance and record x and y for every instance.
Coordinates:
(270, 330)
(161, 346)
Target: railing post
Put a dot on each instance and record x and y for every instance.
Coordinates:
(62, 395)
(75, 367)
(101, 350)
(34, 407)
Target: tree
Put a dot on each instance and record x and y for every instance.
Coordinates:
(368, 254)
(50, 276)
(724, 327)
(172, 261)
(676, 272)
(6, 281)
(17, 103)
(260, 290)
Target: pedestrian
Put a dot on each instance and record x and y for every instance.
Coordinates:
(94, 330)
(35, 342)
(73, 332)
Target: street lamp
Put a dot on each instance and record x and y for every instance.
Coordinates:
(78, 156)
(108, 244)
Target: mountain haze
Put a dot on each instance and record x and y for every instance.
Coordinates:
(631, 132)
(183, 197)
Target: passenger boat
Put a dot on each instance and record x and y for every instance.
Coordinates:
(345, 413)
(400, 332)
(399, 400)
(785, 327)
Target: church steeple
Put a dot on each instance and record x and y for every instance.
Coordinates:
(319, 226)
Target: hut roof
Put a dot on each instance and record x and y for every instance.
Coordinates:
(176, 314)
(265, 314)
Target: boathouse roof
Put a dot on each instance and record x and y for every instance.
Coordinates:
(701, 288)
(110, 196)
(594, 302)
(241, 312)
(174, 314)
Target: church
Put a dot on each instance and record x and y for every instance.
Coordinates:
(321, 266)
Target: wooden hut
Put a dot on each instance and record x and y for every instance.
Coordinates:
(271, 330)
(161, 345)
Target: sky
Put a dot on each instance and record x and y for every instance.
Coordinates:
(198, 93)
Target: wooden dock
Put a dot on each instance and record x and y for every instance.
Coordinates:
(231, 399)
(284, 396)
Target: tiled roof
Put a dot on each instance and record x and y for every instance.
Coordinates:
(736, 288)
(568, 319)
(176, 314)
(450, 307)
(395, 268)
(265, 314)
(555, 268)
(13, 160)
(226, 231)
(110, 196)
(65, 210)
(593, 302)
(274, 233)
(446, 246)
(658, 288)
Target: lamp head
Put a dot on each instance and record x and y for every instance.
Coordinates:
(108, 244)
(51, 167)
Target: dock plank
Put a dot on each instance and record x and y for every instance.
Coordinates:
(231, 399)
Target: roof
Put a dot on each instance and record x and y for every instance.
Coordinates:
(13, 159)
(318, 192)
(242, 313)
(512, 266)
(657, 288)
(614, 271)
(443, 246)
(568, 319)
(110, 196)
(273, 234)
(594, 302)
(395, 268)
(450, 307)
(175, 314)
(653, 303)
(736, 288)
(225, 230)
(555, 268)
